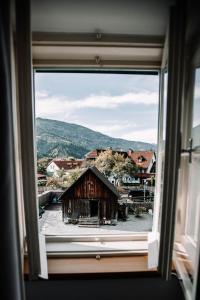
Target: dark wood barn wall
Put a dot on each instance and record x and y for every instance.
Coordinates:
(90, 187)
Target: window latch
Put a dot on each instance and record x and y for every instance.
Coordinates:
(189, 150)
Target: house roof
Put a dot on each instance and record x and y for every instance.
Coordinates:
(101, 177)
(95, 153)
(40, 175)
(67, 164)
(142, 159)
(92, 154)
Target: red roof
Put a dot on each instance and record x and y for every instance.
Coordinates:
(68, 164)
(142, 159)
(92, 154)
(39, 175)
(144, 175)
(95, 153)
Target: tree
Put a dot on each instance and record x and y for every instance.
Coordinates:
(115, 165)
(71, 178)
(53, 182)
(118, 170)
(130, 167)
(42, 165)
(74, 175)
(123, 167)
(61, 173)
(105, 162)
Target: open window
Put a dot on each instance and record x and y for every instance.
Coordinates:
(134, 243)
(186, 247)
(96, 135)
(115, 56)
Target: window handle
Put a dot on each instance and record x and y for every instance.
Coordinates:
(189, 150)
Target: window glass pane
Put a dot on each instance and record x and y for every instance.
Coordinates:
(104, 120)
(165, 105)
(196, 111)
(193, 199)
(194, 168)
(161, 150)
(188, 206)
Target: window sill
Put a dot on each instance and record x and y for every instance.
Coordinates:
(105, 265)
(93, 246)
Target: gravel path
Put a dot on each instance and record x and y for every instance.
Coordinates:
(51, 224)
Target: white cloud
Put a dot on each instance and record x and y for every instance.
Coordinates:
(108, 101)
(41, 94)
(144, 135)
(54, 105)
(112, 128)
(65, 109)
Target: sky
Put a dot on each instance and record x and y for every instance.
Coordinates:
(196, 108)
(119, 105)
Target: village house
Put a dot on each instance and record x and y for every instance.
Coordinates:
(146, 164)
(41, 179)
(66, 165)
(41, 176)
(127, 179)
(145, 161)
(90, 200)
(92, 155)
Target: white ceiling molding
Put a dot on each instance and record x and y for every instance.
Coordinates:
(59, 64)
(83, 49)
(96, 38)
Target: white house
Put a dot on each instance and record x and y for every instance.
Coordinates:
(127, 179)
(57, 165)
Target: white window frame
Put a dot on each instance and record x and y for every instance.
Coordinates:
(190, 247)
(141, 236)
(24, 43)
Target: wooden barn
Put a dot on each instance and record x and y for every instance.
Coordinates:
(90, 200)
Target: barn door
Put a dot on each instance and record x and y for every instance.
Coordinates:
(94, 208)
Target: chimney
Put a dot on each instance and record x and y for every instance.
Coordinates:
(130, 151)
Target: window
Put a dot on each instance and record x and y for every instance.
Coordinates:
(187, 228)
(94, 119)
(161, 145)
(145, 55)
(193, 208)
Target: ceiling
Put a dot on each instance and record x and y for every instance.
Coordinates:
(136, 17)
(65, 32)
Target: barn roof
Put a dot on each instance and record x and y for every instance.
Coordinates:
(101, 177)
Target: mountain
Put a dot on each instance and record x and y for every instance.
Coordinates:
(59, 139)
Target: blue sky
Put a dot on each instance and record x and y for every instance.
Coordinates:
(119, 105)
